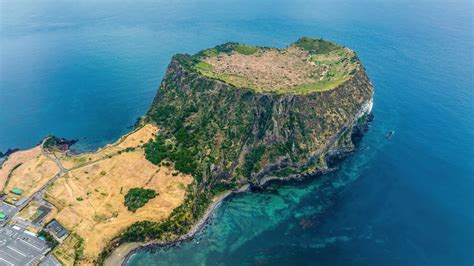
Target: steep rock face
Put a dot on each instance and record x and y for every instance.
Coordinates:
(227, 135)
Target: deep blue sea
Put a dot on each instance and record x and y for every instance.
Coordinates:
(88, 69)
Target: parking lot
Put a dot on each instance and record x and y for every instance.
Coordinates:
(50, 260)
(19, 247)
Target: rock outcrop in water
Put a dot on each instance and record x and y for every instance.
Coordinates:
(235, 115)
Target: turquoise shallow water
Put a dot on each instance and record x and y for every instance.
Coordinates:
(88, 70)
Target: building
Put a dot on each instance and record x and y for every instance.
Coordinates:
(57, 229)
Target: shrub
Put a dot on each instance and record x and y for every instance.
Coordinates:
(252, 160)
(138, 197)
(246, 49)
(49, 238)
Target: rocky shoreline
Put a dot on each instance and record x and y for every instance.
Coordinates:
(8, 152)
(133, 248)
(333, 156)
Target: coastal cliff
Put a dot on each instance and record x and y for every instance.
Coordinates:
(233, 135)
(238, 115)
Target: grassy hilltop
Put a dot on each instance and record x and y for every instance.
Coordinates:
(306, 66)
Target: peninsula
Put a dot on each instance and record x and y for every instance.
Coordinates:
(225, 119)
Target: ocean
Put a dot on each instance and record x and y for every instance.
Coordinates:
(88, 69)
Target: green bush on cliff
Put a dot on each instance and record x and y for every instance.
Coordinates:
(316, 45)
(246, 49)
(49, 238)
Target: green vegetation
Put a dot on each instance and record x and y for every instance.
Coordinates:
(246, 49)
(252, 160)
(78, 248)
(51, 142)
(320, 86)
(316, 45)
(138, 197)
(204, 67)
(203, 128)
(180, 220)
(198, 64)
(225, 135)
(178, 223)
(15, 167)
(11, 173)
(182, 155)
(71, 251)
(233, 79)
(227, 48)
(49, 238)
(209, 52)
(128, 149)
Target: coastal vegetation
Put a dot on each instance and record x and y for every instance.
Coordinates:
(52, 142)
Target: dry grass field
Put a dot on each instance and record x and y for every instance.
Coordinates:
(27, 170)
(272, 68)
(30, 211)
(134, 139)
(280, 70)
(90, 197)
(15, 160)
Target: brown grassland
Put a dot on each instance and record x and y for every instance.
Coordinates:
(89, 197)
(27, 170)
